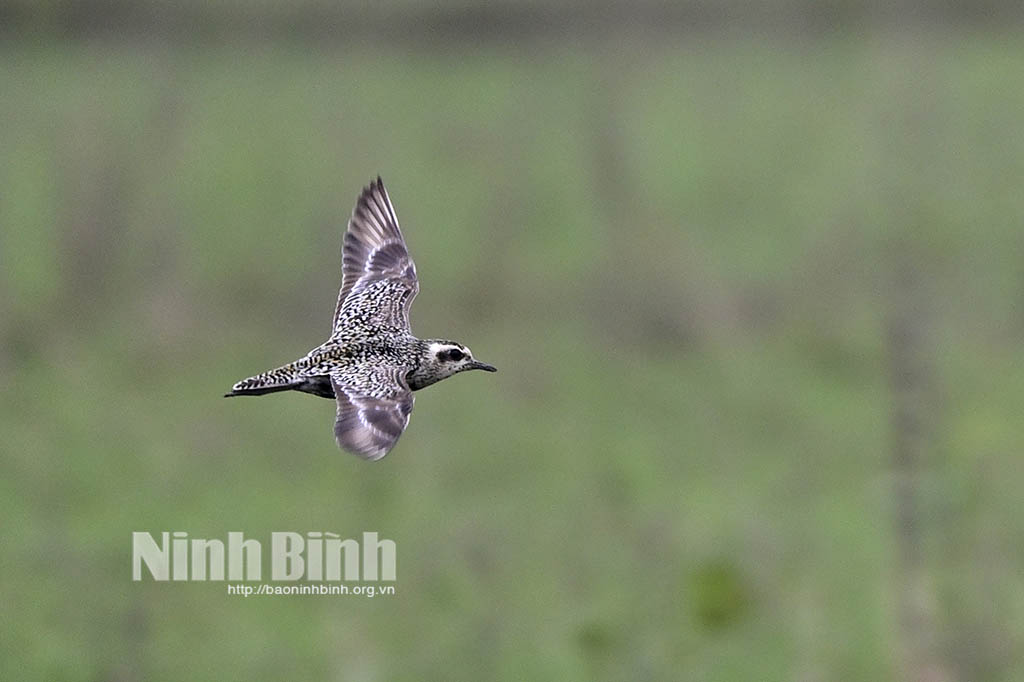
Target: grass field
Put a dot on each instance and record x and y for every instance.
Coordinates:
(687, 260)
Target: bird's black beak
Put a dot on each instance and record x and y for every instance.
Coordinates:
(482, 365)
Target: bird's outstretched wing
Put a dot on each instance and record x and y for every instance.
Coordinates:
(373, 410)
(378, 276)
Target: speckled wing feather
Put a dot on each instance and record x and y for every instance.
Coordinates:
(373, 410)
(375, 259)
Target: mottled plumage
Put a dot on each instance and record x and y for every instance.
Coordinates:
(371, 363)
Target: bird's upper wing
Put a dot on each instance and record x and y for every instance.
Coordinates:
(373, 410)
(375, 258)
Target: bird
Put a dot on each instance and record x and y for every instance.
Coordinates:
(371, 362)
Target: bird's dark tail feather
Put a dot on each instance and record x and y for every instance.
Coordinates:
(259, 390)
(280, 379)
(283, 379)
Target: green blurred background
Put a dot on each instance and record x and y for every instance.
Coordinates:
(752, 275)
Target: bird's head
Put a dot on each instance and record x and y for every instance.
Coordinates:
(442, 359)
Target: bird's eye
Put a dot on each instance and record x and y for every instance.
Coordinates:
(455, 354)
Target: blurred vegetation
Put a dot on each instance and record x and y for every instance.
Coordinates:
(689, 259)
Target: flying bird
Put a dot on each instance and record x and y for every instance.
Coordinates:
(371, 363)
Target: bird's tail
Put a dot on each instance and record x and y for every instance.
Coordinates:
(281, 379)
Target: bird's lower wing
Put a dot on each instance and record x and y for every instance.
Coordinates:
(371, 414)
